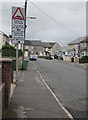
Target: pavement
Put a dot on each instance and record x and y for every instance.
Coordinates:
(32, 99)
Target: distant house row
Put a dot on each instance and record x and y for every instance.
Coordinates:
(33, 46)
(78, 47)
(41, 48)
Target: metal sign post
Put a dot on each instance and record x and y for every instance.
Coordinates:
(17, 62)
(18, 28)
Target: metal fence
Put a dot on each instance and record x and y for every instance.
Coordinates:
(10, 53)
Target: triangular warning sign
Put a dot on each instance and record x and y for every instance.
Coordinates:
(18, 14)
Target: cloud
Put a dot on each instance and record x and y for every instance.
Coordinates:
(1, 17)
(69, 21)
(45, 0)
(57, 21)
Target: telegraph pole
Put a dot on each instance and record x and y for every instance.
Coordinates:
(25, 26)
(25, 9)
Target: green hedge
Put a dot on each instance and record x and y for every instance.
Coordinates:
(7, 47)
(83, 59)
(10, 51)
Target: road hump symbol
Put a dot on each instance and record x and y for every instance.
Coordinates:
(18, 14)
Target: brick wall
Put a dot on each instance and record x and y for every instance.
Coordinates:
(0, 102)
(7, 79)
(2, 99)
(2, 94)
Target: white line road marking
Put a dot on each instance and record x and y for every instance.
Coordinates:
(55, 97)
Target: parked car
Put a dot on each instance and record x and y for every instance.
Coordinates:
(33, 57)
(61, 58)
(50, 57)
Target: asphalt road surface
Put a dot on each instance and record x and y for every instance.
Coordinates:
(68, 82)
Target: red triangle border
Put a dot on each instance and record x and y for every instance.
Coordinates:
(16, 12)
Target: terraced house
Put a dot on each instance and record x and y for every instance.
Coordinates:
(84, 47)
(78, 47)
(41, 48)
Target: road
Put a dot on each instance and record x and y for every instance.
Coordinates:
(68, 82)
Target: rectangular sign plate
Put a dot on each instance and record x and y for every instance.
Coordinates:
(17, 25)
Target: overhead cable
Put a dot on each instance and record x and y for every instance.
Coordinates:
(55, 21)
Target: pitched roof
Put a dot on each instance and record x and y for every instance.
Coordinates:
(33, 42)
(46, 44)
(52, 43)
(2, 33)
(37, 43)
(27, 42)
(78, 40)
(85, 39)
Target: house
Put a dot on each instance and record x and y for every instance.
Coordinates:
(41, 48)
(84, 47)
(3, 39)
(46, 48)
(56, 48)
(37, 47)
(73, 48)
(77, 48)
(33, 47)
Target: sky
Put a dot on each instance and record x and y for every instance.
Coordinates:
(56, 20)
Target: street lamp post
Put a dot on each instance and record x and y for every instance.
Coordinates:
(32, 17)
